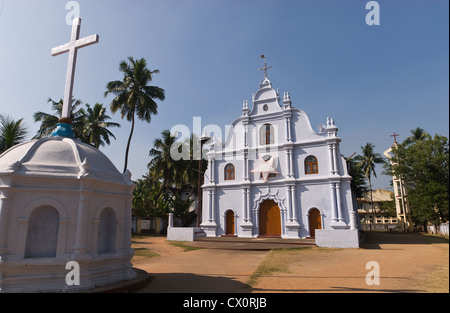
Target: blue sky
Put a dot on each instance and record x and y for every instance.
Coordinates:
(373, 80)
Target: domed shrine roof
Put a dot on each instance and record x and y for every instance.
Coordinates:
(58, 156)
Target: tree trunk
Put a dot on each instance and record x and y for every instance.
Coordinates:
(371, 202)
(128, 144)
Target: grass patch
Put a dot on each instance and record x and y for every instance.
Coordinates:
(277, 261)
(182, 244)
(438, 280)
(144, 253)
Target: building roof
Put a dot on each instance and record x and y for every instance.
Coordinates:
(58, 156)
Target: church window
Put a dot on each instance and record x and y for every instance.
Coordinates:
(42, 233)
(267, 134)
(311, 165)
(229, 172)
(107, 232)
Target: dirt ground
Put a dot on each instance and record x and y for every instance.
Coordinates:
(407, 263)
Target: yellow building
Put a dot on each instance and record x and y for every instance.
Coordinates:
(376, 219)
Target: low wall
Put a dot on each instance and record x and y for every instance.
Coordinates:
(442, 229)
(180, 233)
(341, 238)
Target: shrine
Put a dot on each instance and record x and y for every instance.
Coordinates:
(63, 202)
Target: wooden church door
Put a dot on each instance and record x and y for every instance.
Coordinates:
(229, 220)
(315, 221)
(269, 219)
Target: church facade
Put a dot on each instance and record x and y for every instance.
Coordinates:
(273, 175)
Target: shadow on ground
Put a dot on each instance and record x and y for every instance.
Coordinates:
(192, 283)
(373, 240)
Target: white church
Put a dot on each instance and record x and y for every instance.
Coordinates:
(274, 176)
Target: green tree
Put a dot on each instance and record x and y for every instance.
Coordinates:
(416, 135)
(163, 166)
(96, 126)
(151, 200)
(173, 162)
(90, 125)
(358, 183)
(11, 132)
(424, 166)
(49, 121)
(367, 162)
(133, 96)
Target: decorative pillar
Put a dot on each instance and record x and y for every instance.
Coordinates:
(336, 206)
(339, 202)
(353, 222)
(289, 202)
(245, 194)
(5, 201)
(333, 147)
(292, 226)
(292, 165)
(170, 223)
(247, 225)
(81, 240)
(288, 165)
(80, 247)
(330, 159)
(209, 225)
(334, 216)
(294, 204)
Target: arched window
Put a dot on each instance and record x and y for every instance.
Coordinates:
(267, 135)
(229, 172)
(311, 165)
(107, 232)
(42, 233)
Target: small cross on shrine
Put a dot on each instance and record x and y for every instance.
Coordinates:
(395, 137)
(265, 68)
(72, 48)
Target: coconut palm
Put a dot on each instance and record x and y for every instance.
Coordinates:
(366, 162)
(96, 130)
(49, 121)
(417, 134)
(163, 166)
(133, 96)
(11, 132)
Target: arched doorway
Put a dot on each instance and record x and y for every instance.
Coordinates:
(315, 221)
(269, 219)
(229, 223)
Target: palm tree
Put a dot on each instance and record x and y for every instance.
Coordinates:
(49, 121)
(96, 130)
(416, 135)
(367, 163)
(163, 166)
(11, 132)
(133, 96)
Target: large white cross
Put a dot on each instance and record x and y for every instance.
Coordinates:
(72, 47)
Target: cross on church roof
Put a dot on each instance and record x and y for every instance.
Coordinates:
(265, 68)
(395, 137)
(72, 47)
